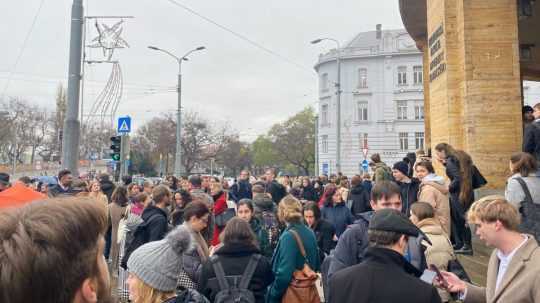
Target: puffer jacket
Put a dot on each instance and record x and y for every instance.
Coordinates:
(440, 252)
(382, 173)
(359, 200)
(262, 202)
(439, 201)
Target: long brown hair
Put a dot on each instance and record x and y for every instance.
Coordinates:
(523, 163)
(465, 170)
(238, 231)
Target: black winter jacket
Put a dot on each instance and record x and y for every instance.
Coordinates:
(156, 218)
(107, 187)
(277, 191)
(234, 259)
(309, 194)
(531, 139)
(384, 276)
(241, 190)
(359, 197)
(324, 232)
(409, 194)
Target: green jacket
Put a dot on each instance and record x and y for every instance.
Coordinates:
(262, 236)
(287, 258)
(382, 172)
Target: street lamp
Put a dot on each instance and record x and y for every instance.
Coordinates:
(178, 155)
(338, 100)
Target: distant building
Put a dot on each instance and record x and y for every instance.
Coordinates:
(531, 92)
(382, 103)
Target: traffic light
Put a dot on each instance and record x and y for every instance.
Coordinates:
(116, 142)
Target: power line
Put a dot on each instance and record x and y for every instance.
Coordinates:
(243, 37)
(21, 51)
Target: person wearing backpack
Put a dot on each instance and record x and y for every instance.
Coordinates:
(237, 272)
(296, 254)
(524, 184)
(381, 171)
(263, 235)
(155, 266)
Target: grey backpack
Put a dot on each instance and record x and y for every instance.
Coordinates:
(238, 292)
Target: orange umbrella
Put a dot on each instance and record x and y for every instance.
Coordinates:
(19, 195)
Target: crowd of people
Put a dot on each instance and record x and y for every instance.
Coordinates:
(391, 236)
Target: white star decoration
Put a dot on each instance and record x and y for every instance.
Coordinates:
(109, 39)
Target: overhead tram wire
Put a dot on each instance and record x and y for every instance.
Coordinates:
(243, 37)
(21, 51)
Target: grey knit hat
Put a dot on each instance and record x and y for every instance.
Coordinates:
(159, 263)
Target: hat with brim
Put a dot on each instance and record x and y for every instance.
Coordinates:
(4, 179)
(393, 221)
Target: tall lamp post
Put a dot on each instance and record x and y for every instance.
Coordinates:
(178, 155)
(338, 100)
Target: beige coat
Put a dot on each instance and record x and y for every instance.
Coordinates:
(520, 284)
(440, 203)
(440, 252)
(116, 213)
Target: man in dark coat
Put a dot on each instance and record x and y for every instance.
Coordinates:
(241, 189)
(358, 199)
(531, 136)
(275, 189)
(64, 186)
(353, 243)
(385, 275)
(107, 187)
(409, 186)
(155, 215)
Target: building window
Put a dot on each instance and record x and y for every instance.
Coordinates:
(363, 141)
(419, 112)
(419, 140)
(362, 78)
(361, 111)
(402, 110)
(418, 75)
(324, 115)
(324, 143)
(404, 141)
(402, 75)
(324, 82)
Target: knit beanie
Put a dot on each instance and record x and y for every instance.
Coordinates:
(402, 167)
(159, 263)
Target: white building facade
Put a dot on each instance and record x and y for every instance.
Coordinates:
(382, 106)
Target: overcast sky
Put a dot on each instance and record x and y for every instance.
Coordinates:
(230, 81)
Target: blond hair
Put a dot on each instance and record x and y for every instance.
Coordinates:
(495, 208)
(290, 209)
(148, 294)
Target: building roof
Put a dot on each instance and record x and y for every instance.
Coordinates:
(369, 39)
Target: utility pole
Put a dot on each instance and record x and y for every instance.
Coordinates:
(72, 125)
(317, 145)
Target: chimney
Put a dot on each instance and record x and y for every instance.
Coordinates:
(379, 31)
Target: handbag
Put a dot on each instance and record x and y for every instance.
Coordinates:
(224, 217)
(478, 179)
(122, 229)
(530, 213)
(303, 287)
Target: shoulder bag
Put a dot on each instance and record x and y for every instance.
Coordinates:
(530, 212)
(303, 288)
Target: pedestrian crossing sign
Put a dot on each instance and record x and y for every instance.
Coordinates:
(124, 125)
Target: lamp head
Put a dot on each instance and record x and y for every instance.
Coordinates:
(316, 41)
(200, 48)
(153, 47)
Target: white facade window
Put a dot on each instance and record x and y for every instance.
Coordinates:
(324, 144)
(418, 75)
(404, 141)
(324, 115)
(402, 75)
(402, 110)
(363, 141)
(361, 111)
(362, 78)
(419, 140)
(324, 82)
(419, 112)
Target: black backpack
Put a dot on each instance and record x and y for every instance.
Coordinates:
(136, 238)
(530, 212)
(238, 292)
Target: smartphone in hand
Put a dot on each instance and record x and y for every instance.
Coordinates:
(440, 278)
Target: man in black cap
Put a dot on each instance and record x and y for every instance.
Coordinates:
(385, 275)
(528, 116)
(4, 181)
(409, 186)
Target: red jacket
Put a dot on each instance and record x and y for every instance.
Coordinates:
(220, 205)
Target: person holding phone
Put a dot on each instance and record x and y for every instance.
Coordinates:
(513, 273)
(440, 252)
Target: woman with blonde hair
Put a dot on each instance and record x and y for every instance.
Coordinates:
(287, 256)
(94, 191)
(154, 268)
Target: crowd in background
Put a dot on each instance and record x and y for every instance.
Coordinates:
(365, 238)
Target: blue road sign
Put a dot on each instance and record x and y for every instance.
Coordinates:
(365, 165)
(124, 125)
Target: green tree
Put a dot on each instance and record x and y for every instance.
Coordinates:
(294, 140)
(264, 154)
